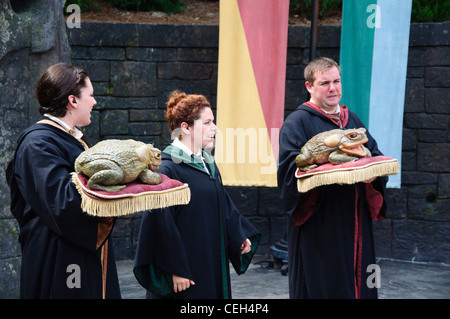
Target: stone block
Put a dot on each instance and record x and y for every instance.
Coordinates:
(148, 128)
(245, 199)
(396, 204)
(408, 161)
(10, 278)
(295, 57)
(197, 36)
(148, 139)
(98, 70)
(298, 36)
(98, 53)
(132, 78)
(415, 72)
(263, 226)
(432, 209)
(444, 186)
(437, 77)
(123, 248)
(433, 157)
(422, 191)
(100, 88)
(437, 100)
(184, 71)
(269, 202)
(150, 35)
(205, 87)
(446, 33)
(425, 34)
(147, 115)
(113, 122)
(424, 121)
(409, 139)
(203, 55)
(104, 34)
(429, 56)
(114, 102)
(294, 72)
(123, 227)
(278, 228)
(92, 131)
(414, 95)
(150, 54)
(432, 136)
(382, 234)
(421, 241)
(9, 238)
(415, 178)
(329, 37)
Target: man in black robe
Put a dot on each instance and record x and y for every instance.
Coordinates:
(195, 241)
(330, 239)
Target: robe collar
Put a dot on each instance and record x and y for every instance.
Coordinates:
(75, 132)
(343, 114)
(178, 155)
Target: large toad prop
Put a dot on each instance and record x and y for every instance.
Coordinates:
(110, 164)
(335, 146)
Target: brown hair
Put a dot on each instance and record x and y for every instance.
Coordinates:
(182, 107)
(319, 64)
(56, 84)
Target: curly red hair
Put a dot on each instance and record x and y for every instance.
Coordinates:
(182, 107)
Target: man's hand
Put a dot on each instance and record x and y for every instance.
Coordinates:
(180, 284)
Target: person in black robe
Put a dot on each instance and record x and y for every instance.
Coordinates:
(330, 239)
(65, 252)
(184, 251)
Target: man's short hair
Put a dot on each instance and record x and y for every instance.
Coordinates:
(319, 64)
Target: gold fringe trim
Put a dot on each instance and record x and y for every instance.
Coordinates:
(347, 176)
(126, 204)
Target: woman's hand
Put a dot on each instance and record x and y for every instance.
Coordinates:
(180, 283)
(246, 246)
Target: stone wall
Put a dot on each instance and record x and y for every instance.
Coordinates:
(32, 37)
(133, 68)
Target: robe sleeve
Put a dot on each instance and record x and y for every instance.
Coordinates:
(161, 251)
(42, 172)
(374, 191)
(238, 230)
(292, 138)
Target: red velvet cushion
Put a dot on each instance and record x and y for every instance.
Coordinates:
(132, 189)
(349, 166)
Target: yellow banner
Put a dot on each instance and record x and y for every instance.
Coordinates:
(250, 94)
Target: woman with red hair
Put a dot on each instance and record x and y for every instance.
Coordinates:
(184, 251)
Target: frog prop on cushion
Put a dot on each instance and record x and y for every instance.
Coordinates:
(112, 163)
(335, 146)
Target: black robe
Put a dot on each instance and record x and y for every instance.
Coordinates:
(194, 241)
(330, 239)
(58, 240)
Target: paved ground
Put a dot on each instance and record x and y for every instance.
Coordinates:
(399, 280)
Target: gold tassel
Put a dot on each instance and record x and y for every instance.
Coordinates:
(126, 204)
(347, 176)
